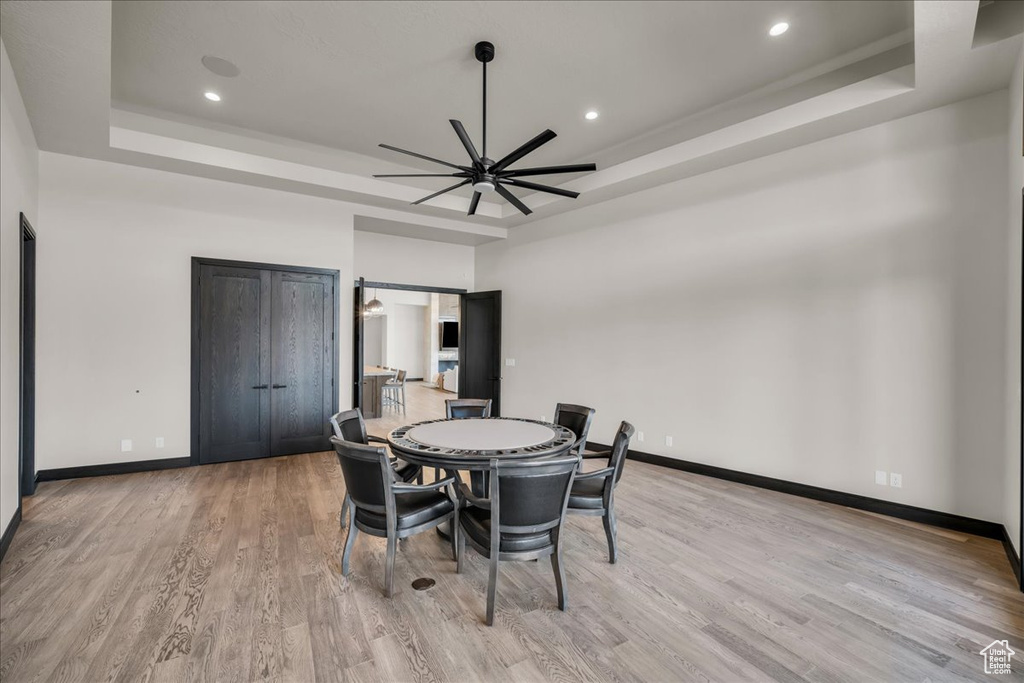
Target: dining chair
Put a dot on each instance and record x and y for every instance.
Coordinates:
(386, 508)
(593, 493)
(394, 391)
(521, 519)
(349, 425)
(462, 408)
(576, 418)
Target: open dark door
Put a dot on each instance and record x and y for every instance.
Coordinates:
(357, 346)
(480, 348)
(27, 373)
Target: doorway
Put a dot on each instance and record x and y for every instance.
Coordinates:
(264, 359)
(418, 330)
(27, 363)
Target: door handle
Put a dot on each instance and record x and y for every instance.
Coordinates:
(260, 386)
(280, 386)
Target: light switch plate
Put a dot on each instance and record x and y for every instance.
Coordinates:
(510, 362)
(881, 477)
(668, 440)
(126, 445)
(159, 442)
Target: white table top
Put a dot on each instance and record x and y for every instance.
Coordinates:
(481, 434)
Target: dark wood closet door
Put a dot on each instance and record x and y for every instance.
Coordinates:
(302, 379)
(234, 363)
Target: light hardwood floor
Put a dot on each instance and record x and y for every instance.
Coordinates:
(231, 573)
(423, 401)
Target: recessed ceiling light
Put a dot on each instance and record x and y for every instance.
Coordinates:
(778, 29)
(212, 96)
(590, 115)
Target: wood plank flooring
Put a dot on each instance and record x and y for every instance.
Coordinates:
(231, 573)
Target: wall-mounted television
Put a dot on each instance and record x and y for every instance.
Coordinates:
(449, 334)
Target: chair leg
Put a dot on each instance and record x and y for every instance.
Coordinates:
(344, 508)
(460, 547)
(454, 531)
(389, 566)
(353, 531)
(492, 588)
(559, 570)
(610, 530)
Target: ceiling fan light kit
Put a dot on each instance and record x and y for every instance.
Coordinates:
(483, 173)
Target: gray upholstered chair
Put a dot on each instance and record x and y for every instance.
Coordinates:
(593, 493)
(521, 519)
(576, 418)
(348, 425)
(461, 408)
(383, 507)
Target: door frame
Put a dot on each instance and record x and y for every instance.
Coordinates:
(361, 285)
(197, 263)
(26, 361)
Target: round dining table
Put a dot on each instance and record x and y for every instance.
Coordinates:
(469, 444)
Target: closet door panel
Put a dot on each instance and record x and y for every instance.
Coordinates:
(234, 364)
(302, 344)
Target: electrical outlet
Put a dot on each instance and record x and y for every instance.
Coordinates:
(159, 442)
(126, 445)
(640, 437)
(896, 480)
(881, 477)
(668, 440)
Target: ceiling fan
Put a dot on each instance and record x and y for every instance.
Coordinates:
(487, 175)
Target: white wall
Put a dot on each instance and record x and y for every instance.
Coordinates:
(398, 352)
(400, 260)
(1011, 480)
(114, 295)
(19, 192)
(410, 352)
(814, 315)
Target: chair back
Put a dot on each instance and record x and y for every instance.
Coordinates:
(462, 408)
(620, 447)
(531, 496)
(348, 425)
(400, 378)
(367, 473)
(578, 419)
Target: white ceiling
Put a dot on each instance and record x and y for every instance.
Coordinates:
(350, 75)
(683, 88)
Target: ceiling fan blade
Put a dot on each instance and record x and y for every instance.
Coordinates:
(550, 170)
(466, 142)
(473, 203)
(513, 200)
(460, 174)
(447, 189)
(421, 156)
(539, 188)
(546, 136)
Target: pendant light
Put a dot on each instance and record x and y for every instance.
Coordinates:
(374, 307)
